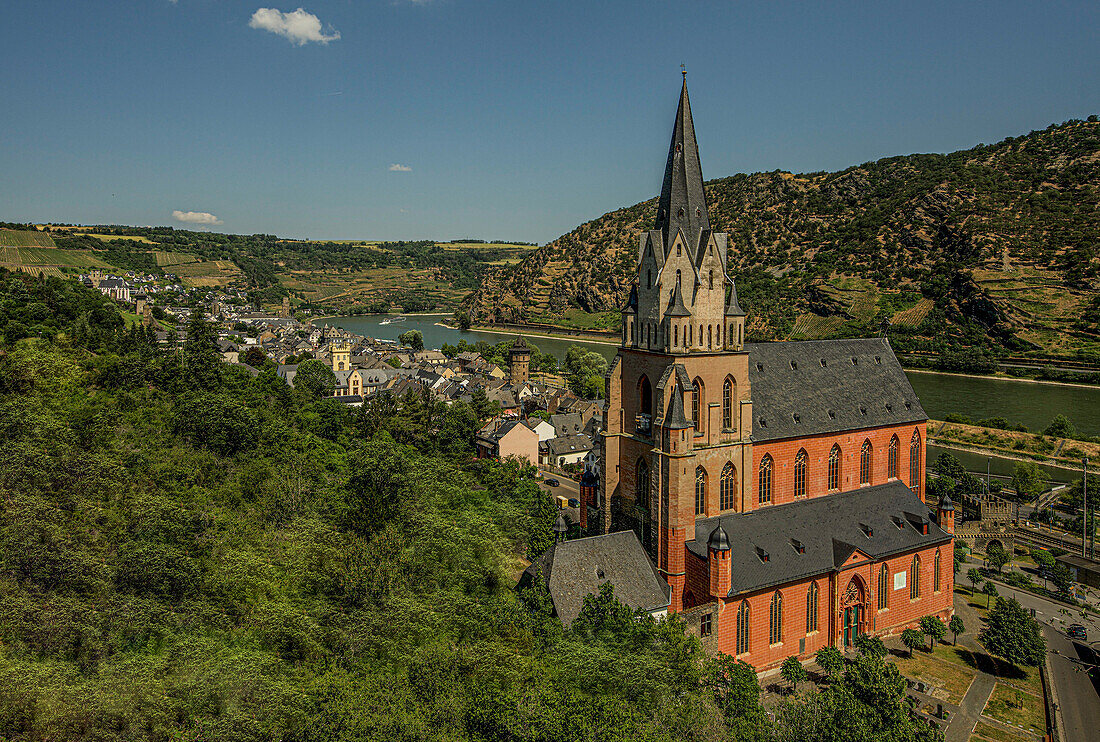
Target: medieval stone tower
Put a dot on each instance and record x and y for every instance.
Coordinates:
(341, 356)
(284, 310)
(678, 397)
(519, 362)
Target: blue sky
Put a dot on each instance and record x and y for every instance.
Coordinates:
(515, 119)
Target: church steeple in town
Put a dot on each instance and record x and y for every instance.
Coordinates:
(683, 205)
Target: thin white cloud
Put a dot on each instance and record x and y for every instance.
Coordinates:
(195, 217)
(396, 168)
(298, 25)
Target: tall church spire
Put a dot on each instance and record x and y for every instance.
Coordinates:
(683, 204)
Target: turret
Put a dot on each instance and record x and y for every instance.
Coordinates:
(735, 321)
(945, 514)
(718, 562)
(630, 318)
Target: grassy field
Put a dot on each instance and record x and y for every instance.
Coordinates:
(49, 260)
(25, 238)
(1010, 706)
(989, 732)
(939, 671)
(132, 238)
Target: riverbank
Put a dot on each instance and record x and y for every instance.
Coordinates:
(1061, 453)
(598, 338)
(991, 377)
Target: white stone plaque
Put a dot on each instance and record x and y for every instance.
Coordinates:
(899, 581)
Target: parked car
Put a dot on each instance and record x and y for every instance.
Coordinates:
(1077, 631)
(553, 483)
(574, 502)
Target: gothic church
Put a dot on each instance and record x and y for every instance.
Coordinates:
(776, 487)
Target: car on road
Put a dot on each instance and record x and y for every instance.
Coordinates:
(1077, 631)
(553, 483)
(574, 502)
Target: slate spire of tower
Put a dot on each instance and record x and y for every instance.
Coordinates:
(683, 205)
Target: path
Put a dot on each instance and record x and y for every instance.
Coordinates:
(973, 703)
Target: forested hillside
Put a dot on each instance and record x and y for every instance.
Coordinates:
(188, 552)
(995, 246)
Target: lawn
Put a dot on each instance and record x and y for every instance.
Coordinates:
(985, 731)
(953, 677)
(1026, 678)
(1011, 706)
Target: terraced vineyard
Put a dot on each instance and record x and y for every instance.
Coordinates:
(165, 259)
(25, 238)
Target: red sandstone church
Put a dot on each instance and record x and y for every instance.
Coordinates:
(776, 487)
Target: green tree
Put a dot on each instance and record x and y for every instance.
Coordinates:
(956, 627)
(831, 661)
(1013, 635)
(793, 672)
(412, 339)
(934, 629)
(733, 685)
(974, 577)
(990, 591)
(315, 379)
(1027, 480)
(872, 646)
(201, 360)
(254, 357)
(998, 556)
(462, 317)
(912, 639)
(217, 422)
(1061, 577)
(585, 371)
(1060, 427)
(1043, 558)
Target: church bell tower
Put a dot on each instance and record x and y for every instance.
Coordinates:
(678, 421)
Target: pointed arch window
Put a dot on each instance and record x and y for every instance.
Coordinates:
(866, 456)
(697, 404)
(834, 467)
(914, 578)
(883, 587)
(936, 573)
(743, 628)
(727, 403)
(914, 462)
(892, 459)
(641, 484)
(811, 608)
(710, 336)
(728, 487)
(700, 491)
(800, 462)
(764, 483)
(775, 619)
(710, 279)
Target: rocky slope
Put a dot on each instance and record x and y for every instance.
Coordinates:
(995, 244)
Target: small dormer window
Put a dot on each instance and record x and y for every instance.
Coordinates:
(799, 547)
(867, 530)
(698, 211)
(794, 365)
(599, 572)
(680, 213)
(763, 555)
(763, 423)
(908, 406)
(878, 360)
(679, 148)
(862, 410)
(855, 361)
(760, 367)
(889, 407)
(898, 522)
(797, 417)
(823, 363)
(832, 414)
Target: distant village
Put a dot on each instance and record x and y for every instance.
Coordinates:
(539, 421)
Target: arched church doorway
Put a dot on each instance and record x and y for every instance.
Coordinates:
(853, 609)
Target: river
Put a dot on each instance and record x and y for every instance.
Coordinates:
(977, 397)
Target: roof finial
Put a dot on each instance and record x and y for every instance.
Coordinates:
(683, 70)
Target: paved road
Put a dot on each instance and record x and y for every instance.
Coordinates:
(1078, 697)
(1078, 702)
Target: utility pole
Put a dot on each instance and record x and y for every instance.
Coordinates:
(1084, 505)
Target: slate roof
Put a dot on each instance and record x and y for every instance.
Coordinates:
(575, 569)
(812, 387)
(568, 444)
(682, 187)
(830, 529)
(567, 423)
